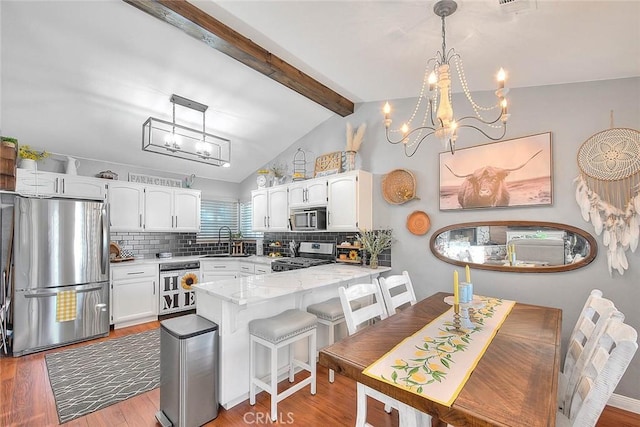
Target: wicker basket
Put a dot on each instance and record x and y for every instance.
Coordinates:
(399, 186)
(114, 250)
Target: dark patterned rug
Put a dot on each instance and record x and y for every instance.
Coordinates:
(89, 378)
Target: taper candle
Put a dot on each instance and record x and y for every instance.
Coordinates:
(467, 273)
(456, 292)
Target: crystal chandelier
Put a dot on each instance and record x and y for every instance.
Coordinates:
(437, 80)
(172, 139)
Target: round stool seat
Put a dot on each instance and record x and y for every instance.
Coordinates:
(282, 326)
(331, 309)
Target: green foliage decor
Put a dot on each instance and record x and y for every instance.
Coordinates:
(9, 139)
(375, 241)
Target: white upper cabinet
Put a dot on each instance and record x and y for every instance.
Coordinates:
(34, 183)
(186, 208)
(270, 209)
(126, 206)
(312, 192)
(278, 209)
(168, 209)
(138, 207)
(158, 210)
(259, 209)
(350, 205)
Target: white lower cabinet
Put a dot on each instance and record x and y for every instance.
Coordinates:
(262, 269)
(213, 270)
(134, 294)
(246, 269)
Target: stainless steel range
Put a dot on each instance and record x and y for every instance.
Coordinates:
(311, 254)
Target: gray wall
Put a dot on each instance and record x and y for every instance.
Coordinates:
(572, 113)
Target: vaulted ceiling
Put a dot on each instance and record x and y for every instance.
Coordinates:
(80, 77)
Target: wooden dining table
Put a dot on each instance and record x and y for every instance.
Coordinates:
(514, 383)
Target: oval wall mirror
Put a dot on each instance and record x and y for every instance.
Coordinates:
(518, 246)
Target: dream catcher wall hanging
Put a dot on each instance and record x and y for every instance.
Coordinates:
(608, 191)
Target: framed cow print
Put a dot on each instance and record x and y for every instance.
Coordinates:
(510, 173)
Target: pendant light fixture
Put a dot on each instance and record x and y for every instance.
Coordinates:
(437, 81)
(183, 142)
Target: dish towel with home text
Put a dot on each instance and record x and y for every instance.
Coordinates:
(436, 361)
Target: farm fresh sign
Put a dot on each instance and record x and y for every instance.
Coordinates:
(154, 180)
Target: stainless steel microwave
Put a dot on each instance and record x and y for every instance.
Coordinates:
(309, 219)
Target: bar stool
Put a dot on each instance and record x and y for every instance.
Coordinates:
(274, 333)
(330, 313)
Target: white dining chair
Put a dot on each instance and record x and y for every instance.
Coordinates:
(397, 291)
(372, 306)
(602, 373)
(591, 323)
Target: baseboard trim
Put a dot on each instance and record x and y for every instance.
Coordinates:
(624, 402)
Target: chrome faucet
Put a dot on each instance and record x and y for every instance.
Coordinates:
(219, 231)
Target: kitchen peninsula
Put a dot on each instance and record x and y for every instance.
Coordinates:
(233, 303)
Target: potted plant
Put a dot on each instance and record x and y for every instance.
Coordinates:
(374, 242)
(30, 156)
(278, 171)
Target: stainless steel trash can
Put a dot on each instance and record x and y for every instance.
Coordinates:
(188, 371)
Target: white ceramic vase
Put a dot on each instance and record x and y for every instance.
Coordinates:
(72, 166)
(28, 164)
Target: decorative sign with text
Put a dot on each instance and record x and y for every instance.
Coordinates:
(154, 180)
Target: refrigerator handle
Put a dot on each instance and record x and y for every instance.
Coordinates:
(105, 243)
(53, 294)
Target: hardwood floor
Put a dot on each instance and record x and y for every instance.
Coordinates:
(26, 400)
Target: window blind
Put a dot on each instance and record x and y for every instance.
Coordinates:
(215, 214)
(246, 216)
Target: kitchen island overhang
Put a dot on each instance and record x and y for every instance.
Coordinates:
(233, 303)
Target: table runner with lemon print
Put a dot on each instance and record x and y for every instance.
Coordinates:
(436, 361)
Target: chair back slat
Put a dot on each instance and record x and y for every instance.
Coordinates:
(393, 296)
(611, 357)
(371, 304)
(592, 321)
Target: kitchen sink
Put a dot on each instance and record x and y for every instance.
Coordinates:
(225, 256)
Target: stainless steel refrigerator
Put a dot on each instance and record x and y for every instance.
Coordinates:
(61, 273)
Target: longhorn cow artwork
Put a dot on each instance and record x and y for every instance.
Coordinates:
(507, 173)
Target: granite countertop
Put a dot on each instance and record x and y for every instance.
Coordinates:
(255, 289)
(252, 258)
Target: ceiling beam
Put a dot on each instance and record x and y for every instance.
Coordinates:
(217, 35)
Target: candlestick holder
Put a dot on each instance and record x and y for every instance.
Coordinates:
(461, 319)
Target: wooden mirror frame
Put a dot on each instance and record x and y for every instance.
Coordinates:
(540, 269)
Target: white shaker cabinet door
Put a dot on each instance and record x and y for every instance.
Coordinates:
(158, 210)
(187, 210)
(297, 194)
(350, 205)
(278, 218)
(134, 294)
(33, 183)
(342, 208)
(126, 206)
(260, 210)
(317, 192)
(312, 192)
(82, 187)
(134, 299)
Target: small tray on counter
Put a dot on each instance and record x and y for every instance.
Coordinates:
(122, 259)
